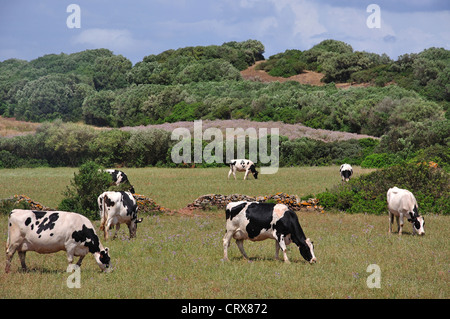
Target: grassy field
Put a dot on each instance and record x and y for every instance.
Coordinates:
(175, 188)
(179, 256)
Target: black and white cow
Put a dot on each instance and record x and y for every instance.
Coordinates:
(242, 165)
(118, 208)
(260, 221)
(119, 177)
(346, 171)
(402, 203)
(52, 231)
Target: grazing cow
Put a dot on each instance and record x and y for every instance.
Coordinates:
(259, 221)
(346, 171)
(49, 232)
(242, 165)
(118, 208)
(401, 203)
(119, 177)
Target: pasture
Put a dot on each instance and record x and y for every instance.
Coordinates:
(180, 255)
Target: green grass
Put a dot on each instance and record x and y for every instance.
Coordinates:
(175, 188)
(179, 256)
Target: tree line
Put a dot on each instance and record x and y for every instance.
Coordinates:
(72, 144)
(99, 88)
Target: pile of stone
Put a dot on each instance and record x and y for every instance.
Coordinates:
(145, 204)
(148, 205)
(221, 201)
(32, 204)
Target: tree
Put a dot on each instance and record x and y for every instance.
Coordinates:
(50, 97)
(97, 108)
(111, 72)
(208, 70)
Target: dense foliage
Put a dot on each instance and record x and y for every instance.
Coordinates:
(367, 194)
(81, 195)
(99, 88)
(427, 72)
(69, 144)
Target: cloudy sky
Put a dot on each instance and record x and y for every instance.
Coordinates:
(136, 28)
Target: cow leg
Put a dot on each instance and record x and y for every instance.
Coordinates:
(240, 244)
(246, 174)
(8, 262)
(277, 249)
(117, 230)
(129, 230)
(226, 244)
(391, 221)
(282, 245)
(229, 173)
(9, 255)
(107, 227)
(22, 260)
(80, 261)
(70, 254)
(400, 224)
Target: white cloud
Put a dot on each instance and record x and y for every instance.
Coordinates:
(105, 38)
(120, 41)
(305, 24)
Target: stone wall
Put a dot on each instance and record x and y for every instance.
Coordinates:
(148, 205)
(221, 201)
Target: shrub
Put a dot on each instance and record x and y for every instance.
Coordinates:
(367, 194)
(148, 147)
(81, 195)
(108, 148)
(185, 112)
(380, 160)
(8, 204)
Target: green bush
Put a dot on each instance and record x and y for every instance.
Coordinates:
(147, 147)
(85, 187)
(7, 205)
(381, 160)
(367, 194)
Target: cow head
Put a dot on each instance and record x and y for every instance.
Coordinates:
(307, 251)
(418, 222)
(254, 171)
(103, 260)
(133, 226)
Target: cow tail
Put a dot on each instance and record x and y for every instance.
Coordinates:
(9, 236)
(102, 215)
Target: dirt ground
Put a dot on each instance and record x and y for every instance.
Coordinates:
(307, 77)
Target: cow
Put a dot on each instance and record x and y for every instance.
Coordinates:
(119, 177)
(118, 208)
(259, 221)
(346, 171)
(242, 165)
(402, 203)
(51, 231)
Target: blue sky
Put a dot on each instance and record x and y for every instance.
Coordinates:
(137, 28)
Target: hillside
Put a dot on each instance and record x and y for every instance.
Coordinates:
(306, 77)
(11, 127)
(235, 82)
(253, 73)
